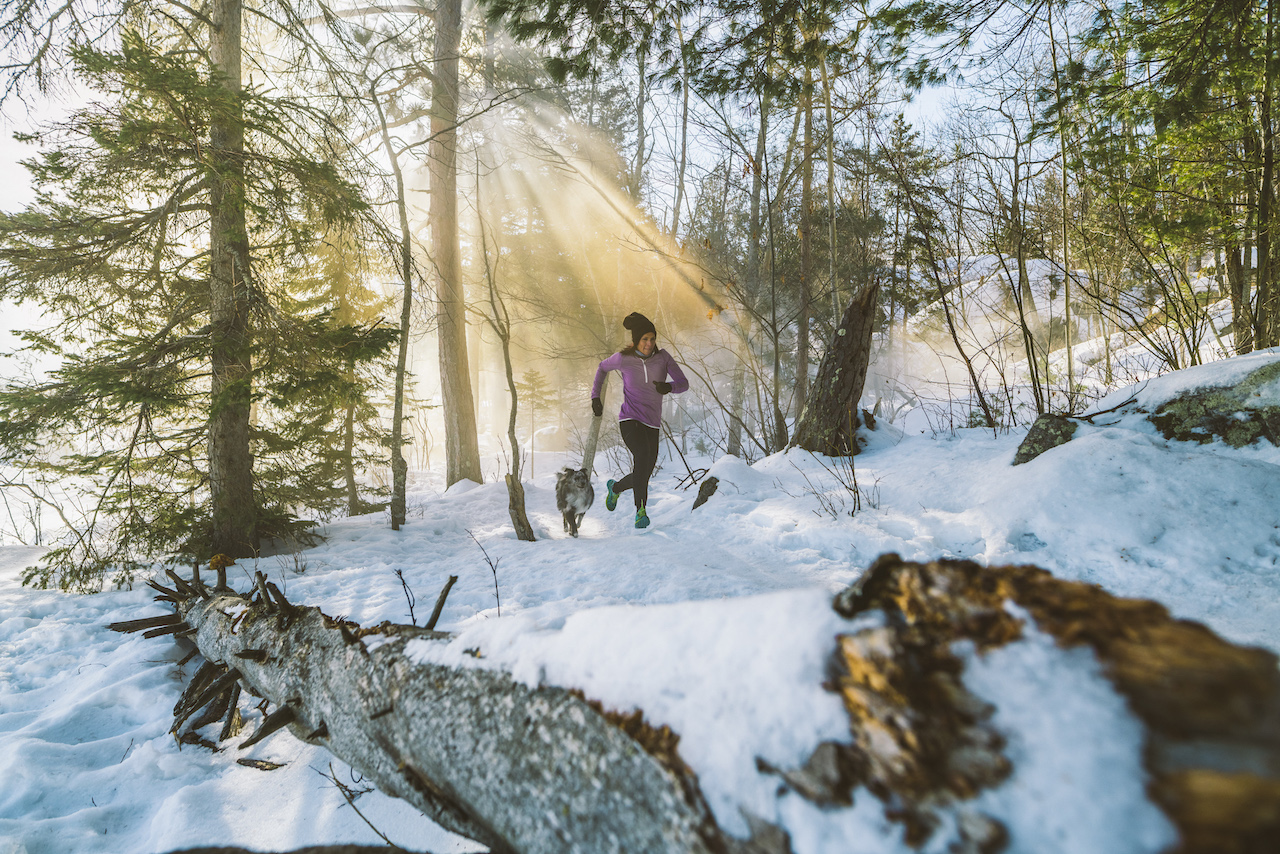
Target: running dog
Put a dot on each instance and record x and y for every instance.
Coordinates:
(574, 496)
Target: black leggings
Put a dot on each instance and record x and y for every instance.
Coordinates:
(642, 441)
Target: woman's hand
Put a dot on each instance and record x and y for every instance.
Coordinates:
(597, 408)
(663, 388)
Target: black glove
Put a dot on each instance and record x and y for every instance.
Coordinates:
(597, 408)
(663, 388)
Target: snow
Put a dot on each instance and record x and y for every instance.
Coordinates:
(716, 622)
(1227, 372)
(1041, 693)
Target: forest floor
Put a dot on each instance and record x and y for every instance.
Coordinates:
(715, 621)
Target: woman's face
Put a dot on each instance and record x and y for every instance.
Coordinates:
(648, 343)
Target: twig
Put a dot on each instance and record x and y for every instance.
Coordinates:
(1092, 415)
(444, 594)
(350, 795)
(408, 594)
(693, 478)
(493, 567)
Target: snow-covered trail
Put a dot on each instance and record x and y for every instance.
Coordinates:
(714, 621)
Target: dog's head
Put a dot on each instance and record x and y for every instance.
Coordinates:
(576, 478)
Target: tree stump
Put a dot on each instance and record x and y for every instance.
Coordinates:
(829, 422)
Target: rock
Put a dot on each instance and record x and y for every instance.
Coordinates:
(1238, 415)
(1048, 431)
(705, 490)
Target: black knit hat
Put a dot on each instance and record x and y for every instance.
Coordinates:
(639, 326)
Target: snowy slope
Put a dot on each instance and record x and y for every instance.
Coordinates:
(920, 367)
(716, 622)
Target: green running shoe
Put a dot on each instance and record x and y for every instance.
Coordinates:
(642, 518)
(611, 498)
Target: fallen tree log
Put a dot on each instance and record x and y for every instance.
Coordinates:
(547, 770)
(518, 769)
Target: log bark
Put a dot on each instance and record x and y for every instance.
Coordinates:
(1210, 710)
(519, 769)
(830, 419)
(312, 849)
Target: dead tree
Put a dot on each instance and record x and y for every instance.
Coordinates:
(830, 418)
(519, 769)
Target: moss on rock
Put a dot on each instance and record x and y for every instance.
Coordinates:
(1049, 431)
(1235, 414)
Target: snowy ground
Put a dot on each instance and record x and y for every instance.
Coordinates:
(715, 621)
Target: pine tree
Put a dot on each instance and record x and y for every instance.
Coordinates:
(1185, 91)
(172, 215)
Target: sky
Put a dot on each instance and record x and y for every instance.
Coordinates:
(715, 621)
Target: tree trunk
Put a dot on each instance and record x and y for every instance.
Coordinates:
(1267, 316)
(234, 531)
(354, 505)
(542, 769)
(829, 422)
(684, 136)
(462, 448)
(1241, 313)
(635, 181)
(831, 192)
(399, 466)
(1063, 201)
(752, 285)
(516, 510)
(737, 407)
(501, 324)
(483, 755)
(593, 434)
(806, 250)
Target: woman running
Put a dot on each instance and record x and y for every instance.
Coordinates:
(647, 374)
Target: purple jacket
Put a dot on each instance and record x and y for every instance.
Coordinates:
(640, 398)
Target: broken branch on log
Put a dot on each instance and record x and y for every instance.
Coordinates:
(171, 629)
(275, 721)
(444, 594)
(146, 623)
(185, 590)
(232, 723)
(205, 676)
(279, 599)
(222, 684)
(213, 712)
(264, 596)
(155, 585)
